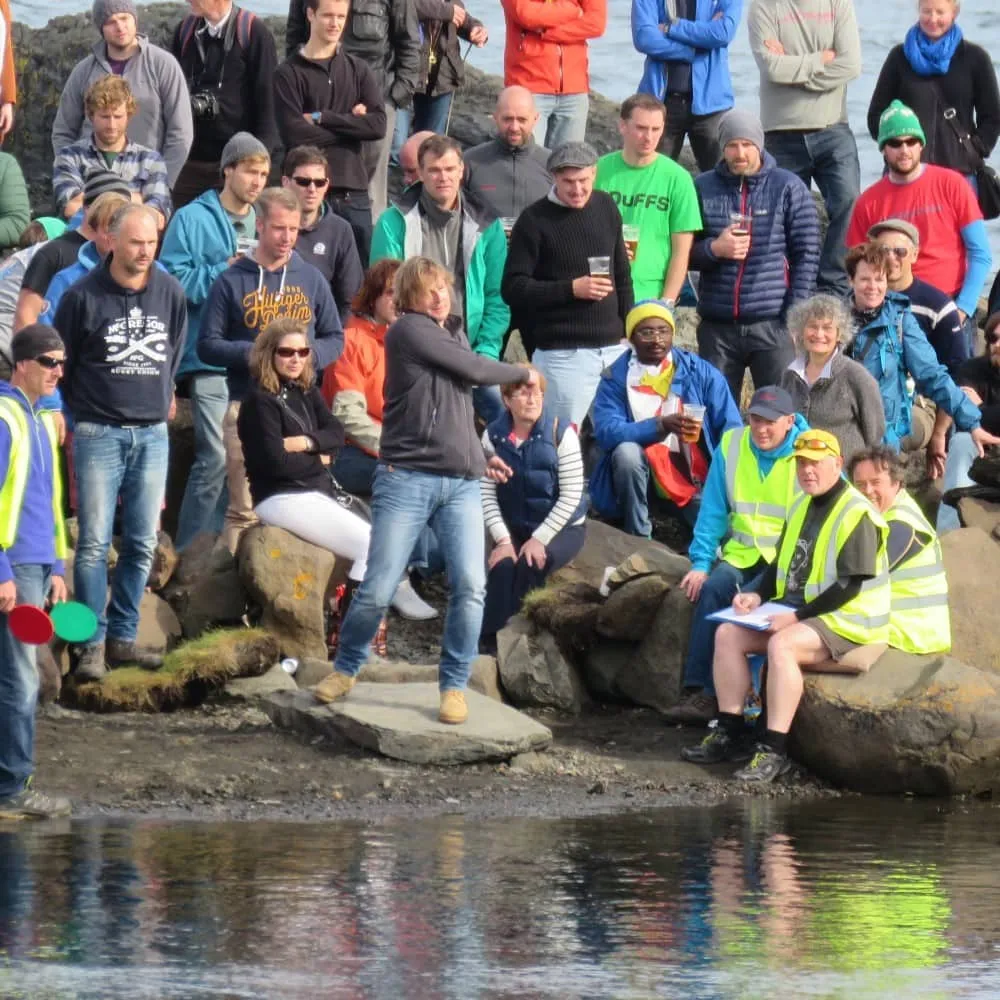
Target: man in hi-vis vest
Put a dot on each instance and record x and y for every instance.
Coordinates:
(32, 549)
(750, 487)
(832, 573)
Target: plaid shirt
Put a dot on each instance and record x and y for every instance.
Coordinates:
(142, 168)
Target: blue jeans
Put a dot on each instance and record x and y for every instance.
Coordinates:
(828, 156)
(573, 377)
(487, 402)
(561, 118)
(354, 469)
(404, 502)
(205, 497)
(961, 454)
(19, 686)
(635, 491)
(113, 462)
(428, 114)
(717, 593)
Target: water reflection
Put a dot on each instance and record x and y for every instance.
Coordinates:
(838, 899)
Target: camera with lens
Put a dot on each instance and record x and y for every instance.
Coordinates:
(205, 105)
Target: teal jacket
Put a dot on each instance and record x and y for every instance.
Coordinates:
(484, 247)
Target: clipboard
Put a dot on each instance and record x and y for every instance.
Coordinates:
(759, 620)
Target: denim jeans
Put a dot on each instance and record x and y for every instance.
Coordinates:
(702, 132)
(428, 114)
(205, 496)
(354, 469)
(636, 493)
(561, 118)
(717, 593)
(375, 155)
(113, 462)
(404, 502)
(19, 686)
(356, 208)
(487, 402)
(765, 347)
(961, 454)
(573, 377)
(828, 156)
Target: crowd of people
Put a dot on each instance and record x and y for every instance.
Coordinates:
(222, 232)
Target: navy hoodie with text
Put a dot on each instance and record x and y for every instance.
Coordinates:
(123, 347)
(247, 297)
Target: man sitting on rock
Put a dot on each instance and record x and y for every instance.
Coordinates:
(832, 573)
(653, 452)
(750, 487)
(919, 621)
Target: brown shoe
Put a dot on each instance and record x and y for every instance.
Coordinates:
(696, 708)
(453, 711)
(332, 687)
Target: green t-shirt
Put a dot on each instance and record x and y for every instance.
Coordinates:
(660, 199)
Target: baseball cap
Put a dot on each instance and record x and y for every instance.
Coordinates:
(771, 402)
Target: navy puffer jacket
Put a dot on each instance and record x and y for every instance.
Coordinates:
(784, 244)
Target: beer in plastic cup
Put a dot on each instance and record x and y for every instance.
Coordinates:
(507, 221)
(695, 412)
(740, 222)
(630, 234)
(600, 267)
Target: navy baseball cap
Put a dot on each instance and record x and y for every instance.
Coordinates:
(771, 402)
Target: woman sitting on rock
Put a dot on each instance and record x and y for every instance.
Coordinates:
(289, 439)
(830, 390)
(534, 503)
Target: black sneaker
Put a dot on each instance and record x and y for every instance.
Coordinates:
(125, 653)
(766, 765)
(32, 804)
(718, 746)
(90, 665)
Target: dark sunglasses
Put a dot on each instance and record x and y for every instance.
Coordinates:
(813, 444)
(900, 252)
(293, 352)
(316, 182)
(49, 362)
(900, 143)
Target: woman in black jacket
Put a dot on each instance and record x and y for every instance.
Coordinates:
(936, 70)
(289, 440)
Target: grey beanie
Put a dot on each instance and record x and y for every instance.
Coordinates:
(34, 339)
(98, 182)
(104, 9)
(738, 124)
(241, 146)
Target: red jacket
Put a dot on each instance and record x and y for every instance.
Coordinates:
(546, 47)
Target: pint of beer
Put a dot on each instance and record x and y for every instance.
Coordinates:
(693, 413)
(631, 236)
(600, 267)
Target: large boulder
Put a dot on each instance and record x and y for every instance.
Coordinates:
(631, 609)
(533, 670)
(205, 590)
(972, 563)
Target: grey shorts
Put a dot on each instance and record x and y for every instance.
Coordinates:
(837, 645)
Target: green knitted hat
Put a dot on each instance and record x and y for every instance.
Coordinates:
(899, 122)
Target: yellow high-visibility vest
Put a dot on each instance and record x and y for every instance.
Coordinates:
(758, 508)
(919, 621)
(864, 618)
(18, 466)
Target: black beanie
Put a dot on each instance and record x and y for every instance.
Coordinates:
(33, 340)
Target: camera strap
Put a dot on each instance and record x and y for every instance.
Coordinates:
(234, 26)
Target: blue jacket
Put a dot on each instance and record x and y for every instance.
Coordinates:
(529, 495)
(35, 544)
(712, 526)
(893, 346)
(703, 42)
(784, 244)
(196, 249)
(695, 381)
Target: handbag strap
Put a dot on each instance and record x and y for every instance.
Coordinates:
(950, 115)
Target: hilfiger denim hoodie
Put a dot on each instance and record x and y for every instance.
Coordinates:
(247, 297)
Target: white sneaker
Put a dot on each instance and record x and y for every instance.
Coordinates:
(407, 603)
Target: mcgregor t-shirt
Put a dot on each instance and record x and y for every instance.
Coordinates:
(660, 199)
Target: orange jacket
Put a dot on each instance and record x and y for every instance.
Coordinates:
(546, 47)
(352, 385)
(8, 81)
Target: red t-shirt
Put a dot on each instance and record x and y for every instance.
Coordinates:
(940, 203)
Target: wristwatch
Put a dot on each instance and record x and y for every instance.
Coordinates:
(316, 116)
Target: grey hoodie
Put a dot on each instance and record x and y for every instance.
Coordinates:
(509, 178)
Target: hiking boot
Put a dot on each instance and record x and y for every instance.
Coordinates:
(407, 603)
(332, 687)
(765, 766)
(696, 708)
(32, 804)
(125, 653)
(717, 747)
(90, 665)
(453, 710)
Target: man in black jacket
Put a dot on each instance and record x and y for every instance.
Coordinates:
(229, 58)
(385, 36)
(328, 98)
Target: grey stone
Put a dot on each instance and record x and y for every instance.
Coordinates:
(400, 721)
(973, 580)
(629, 611)
(603, 664)
(533, 670)
(164, 562)
(255, 688)
(974, 512)
(311, 671)
(158, 625)
(205, 589)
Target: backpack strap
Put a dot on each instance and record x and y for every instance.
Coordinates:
(244, 25)
(188, 26)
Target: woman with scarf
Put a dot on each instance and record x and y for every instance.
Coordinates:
(934, 71)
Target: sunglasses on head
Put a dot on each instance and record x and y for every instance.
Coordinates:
(813, 444)
(316, 182)
(47, 361)
(900, 143)
(293, 352)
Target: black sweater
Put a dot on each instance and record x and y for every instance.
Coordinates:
(549, 247)
(984, 377)
(969, 86)
(265, 421)
(302, 86)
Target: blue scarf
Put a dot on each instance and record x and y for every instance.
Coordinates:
(929, 58)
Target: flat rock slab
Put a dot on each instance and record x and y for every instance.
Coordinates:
(400, 721)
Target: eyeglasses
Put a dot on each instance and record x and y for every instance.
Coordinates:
(293, 352)
(316, 182)
(900, 143)
(814, 444)
(47, 361)
(652, 334)
(900, 253)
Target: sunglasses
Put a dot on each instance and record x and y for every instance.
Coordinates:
(316, 182)
(899, 252)
(293, 352)
(46, 361)
(814, 444)
(900, 143)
